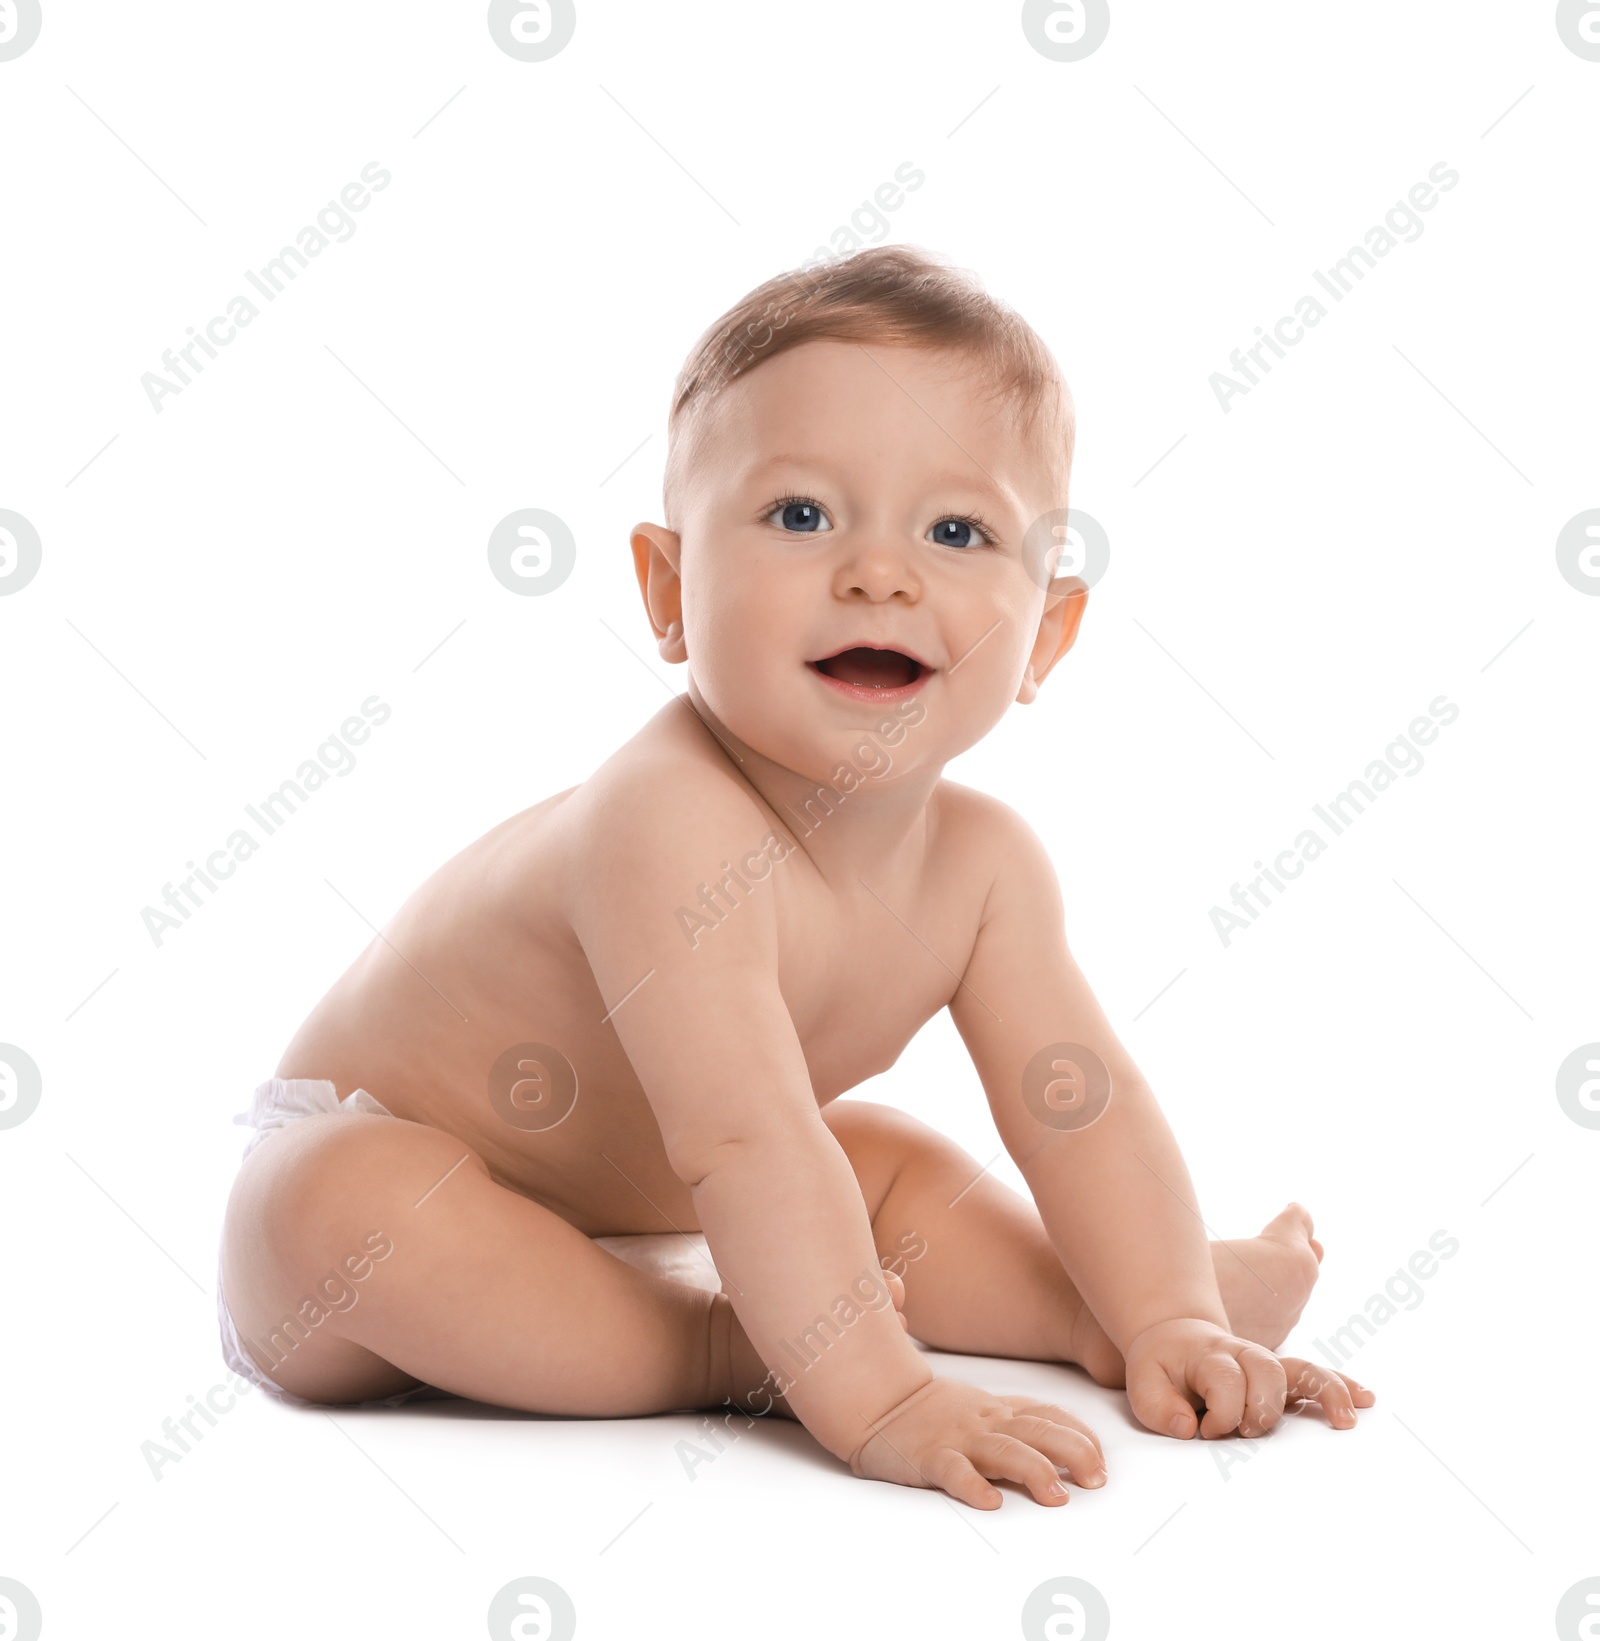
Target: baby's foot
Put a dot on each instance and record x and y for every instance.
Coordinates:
(749, 1384)
(1267, 1279)
(1264, 1280)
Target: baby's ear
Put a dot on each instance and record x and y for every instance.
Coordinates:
(1065, 599)
(656, 553)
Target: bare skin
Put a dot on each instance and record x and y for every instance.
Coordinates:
(712, 955)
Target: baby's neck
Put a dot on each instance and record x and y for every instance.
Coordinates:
(865, 817)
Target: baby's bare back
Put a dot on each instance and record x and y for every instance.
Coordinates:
(482, 959)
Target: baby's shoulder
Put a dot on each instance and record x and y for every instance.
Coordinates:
(968, 816)
(976, 829)
(668, 791)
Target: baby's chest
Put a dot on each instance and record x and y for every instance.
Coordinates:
(859, 988)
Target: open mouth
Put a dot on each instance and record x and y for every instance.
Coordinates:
(864, 668)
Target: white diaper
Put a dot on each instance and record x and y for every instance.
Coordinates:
(680, 1257)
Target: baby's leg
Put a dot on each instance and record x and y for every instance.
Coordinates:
(485, 1293)
(988, 1282)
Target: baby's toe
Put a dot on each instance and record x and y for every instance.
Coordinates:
(1292, 1225)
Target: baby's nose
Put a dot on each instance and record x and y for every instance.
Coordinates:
(879, 572)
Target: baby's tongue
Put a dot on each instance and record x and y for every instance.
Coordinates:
(874, 669)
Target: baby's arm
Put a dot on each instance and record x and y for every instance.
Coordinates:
(1112, 1188)
(711, 1040)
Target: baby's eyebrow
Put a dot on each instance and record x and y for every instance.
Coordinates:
(973, 479)
(786, 460)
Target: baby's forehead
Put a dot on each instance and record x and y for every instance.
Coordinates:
(842, 405)
(826, 368)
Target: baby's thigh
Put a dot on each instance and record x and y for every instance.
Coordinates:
(312, 1216)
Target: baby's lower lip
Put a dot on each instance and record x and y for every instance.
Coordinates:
(866, 692)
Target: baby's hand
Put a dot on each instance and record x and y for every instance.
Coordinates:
(950, 1435)
(1176, 1365)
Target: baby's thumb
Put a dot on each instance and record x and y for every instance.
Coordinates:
(897, 1292)
(1156, 1401)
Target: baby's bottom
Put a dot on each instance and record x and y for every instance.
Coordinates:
(498, 1299)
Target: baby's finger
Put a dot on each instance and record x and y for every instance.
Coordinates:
(1221, 1381)
(1359, 1394)
(1004, 1456)
(1267, 1386)
(1056, 1415)
(953, 1473)
(1157, 1403)
(1327, 1389)
(1066, 1448)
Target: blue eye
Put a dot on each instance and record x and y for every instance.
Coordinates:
(956, 532)
(800, 516)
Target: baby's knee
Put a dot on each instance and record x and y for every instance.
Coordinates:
(864, 1126)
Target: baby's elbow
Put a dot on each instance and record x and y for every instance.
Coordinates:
(695, 1162)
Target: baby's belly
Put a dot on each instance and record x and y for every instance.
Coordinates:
(467, 1045)
(602, 1166)
(574, 1133)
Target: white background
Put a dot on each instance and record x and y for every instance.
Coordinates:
(1291, 583)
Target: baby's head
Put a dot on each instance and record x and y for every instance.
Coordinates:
(867, 471)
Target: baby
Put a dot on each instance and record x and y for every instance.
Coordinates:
(568, 1135)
